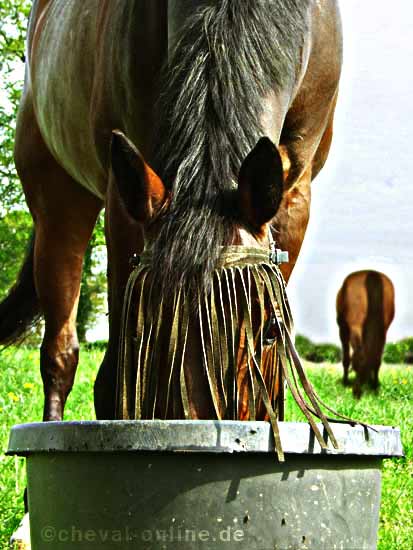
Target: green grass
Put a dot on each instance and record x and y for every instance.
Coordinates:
(21, 401)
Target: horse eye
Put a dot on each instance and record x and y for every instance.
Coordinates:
(270, 332)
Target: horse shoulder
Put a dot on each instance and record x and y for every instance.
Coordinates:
(307, 138)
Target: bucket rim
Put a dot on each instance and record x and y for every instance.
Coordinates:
(210, 436)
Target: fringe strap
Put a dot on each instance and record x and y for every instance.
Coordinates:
(231, 323)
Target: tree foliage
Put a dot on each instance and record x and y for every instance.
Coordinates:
(13, 21)
(15, 229)
(15, 221)
(317, 353)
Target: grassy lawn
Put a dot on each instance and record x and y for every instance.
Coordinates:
(21, 401)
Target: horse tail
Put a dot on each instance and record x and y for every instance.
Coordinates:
(20, 310)
(373, 330)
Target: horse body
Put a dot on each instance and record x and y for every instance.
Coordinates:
(95, 66)
(365, 310)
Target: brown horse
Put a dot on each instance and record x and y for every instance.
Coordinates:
(365, 310)
(193, 85)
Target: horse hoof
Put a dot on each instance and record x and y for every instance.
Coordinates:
(20, 540)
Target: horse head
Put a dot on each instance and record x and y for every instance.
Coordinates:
(210, 352)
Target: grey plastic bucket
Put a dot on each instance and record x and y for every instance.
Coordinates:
(152, 485)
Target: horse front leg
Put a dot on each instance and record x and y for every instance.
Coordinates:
(59, 250)
(65, 215)
(124, 237)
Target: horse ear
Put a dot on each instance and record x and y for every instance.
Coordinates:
(260, 184)
(141, 190)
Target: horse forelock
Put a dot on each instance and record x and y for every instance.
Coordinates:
(228, 57)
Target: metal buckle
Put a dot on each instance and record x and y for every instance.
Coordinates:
(277, 256)
(134, 261)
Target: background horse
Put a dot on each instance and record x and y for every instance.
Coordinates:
(365, 310)
(233, 71)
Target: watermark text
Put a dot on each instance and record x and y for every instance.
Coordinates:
(129, 535)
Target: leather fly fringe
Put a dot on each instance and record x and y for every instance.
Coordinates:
(232, 325)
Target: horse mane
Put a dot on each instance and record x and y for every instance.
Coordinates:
(229, 56)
